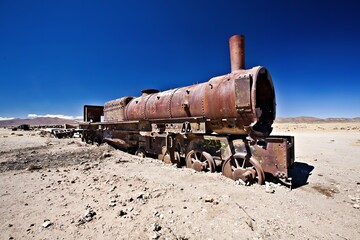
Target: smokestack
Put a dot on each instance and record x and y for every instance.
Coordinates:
(237, 52)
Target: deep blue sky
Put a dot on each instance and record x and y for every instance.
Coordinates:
(56, 56)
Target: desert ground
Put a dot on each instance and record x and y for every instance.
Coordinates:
(66, 189)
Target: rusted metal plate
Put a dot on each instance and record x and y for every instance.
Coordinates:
(135, 110)
(243, 94)
(158, 105)
(219, 98)
(115, 110)
(276, 155)
(188, 102)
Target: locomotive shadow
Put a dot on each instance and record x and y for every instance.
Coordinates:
(300, 173)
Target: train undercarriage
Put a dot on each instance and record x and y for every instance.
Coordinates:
(188, 143)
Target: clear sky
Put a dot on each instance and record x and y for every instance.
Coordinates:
(56, 56)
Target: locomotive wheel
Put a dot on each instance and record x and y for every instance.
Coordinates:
(167, 158)
(200, 161)
(240, 167)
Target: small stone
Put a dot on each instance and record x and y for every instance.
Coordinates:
(10, 225)
(155, 213)
(33, 167)
(86, 167)
(352, 198)
(156, 227)
(80, 221)
(122, 213)
(356, 206)
(112, 189)
(209, 200)
(46, 224)
(88, 219)
(106, 155)
(171, 211)
(140, 195)
(156, 235)
(268, 188)
(89, 213)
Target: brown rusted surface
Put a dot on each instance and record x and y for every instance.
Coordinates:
(158, 106)
(276, 155)
(114, 110)
(232, 97)
(237, 52)
(135, 110)
(219, 98)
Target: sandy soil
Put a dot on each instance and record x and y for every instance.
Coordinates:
(87, 192)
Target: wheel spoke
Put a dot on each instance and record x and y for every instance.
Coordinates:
(243, 163)
(200, 161)
(252, 173)
(237, 163)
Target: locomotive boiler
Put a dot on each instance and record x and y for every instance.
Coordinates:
(223, 124)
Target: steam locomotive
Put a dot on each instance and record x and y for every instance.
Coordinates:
(223, 124)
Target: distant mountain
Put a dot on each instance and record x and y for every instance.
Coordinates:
(40, 121)
(304, 119)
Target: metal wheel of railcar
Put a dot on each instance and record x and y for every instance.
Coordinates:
(167, 158)
(242, 167)
(200, 161)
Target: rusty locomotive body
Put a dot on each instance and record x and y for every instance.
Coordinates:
(220, 125)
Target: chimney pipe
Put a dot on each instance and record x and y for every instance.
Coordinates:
(237, 52)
